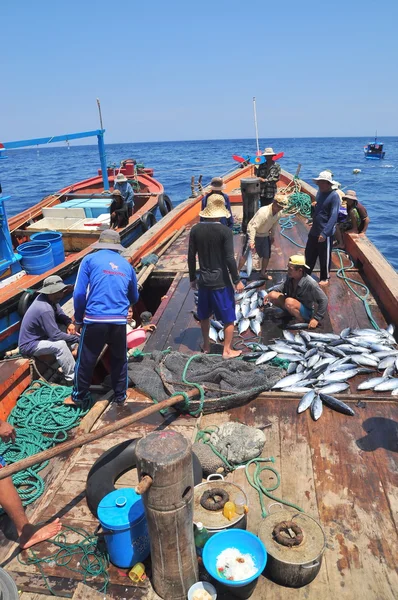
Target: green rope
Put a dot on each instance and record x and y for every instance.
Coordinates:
(204, 436)
(89, 560)
(256, 482)
(42, 420)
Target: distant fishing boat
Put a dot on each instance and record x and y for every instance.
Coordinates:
(70, 221)
(374, 150)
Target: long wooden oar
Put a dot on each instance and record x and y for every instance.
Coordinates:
(86, 438)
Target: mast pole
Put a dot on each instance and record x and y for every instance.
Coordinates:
(255, 125)
(101, 150)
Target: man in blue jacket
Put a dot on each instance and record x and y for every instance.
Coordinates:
(105, 287)
(319, 243)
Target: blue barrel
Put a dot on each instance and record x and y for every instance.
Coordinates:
(57, 245)
(37, 257)
(122, 516)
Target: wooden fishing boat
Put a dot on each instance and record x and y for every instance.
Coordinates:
(79, 212)
(340, 470)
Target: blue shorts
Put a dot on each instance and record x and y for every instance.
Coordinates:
(2, 462)
(306, 312)
(219, 302)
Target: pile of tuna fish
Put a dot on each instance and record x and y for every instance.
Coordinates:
(320, 364)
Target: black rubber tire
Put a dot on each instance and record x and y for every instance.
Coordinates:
(165, 204)
(148, 220)
(113, 463)
(24, 302)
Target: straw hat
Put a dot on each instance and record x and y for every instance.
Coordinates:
(52, 285)
(269, 152)
(109, 240)
(120, 178)
(324, 176)
(215, 208)
(298, 260)
(281, 200)
(217, 184)
(350, 195)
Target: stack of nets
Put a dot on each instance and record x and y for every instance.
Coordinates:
(223, 384)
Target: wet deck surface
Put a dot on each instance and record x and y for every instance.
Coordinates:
(343, 471)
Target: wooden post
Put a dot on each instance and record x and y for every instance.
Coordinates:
(166, 456)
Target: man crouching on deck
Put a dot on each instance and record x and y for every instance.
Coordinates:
(213, 243)
(298, 293)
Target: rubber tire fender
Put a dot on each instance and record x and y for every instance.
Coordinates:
(113, 463)
(165, 204)
(24, 302)
(148, 220)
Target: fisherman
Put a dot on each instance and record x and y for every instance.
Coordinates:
(40, 332)
(124, 187)
(105, 286)
(28, 534)
(216, 187)
(298, 294)
(319, 243)
(260, 234)
(213, 243)
(357, 220)
(269, 173)
(145, 318)
(118, 211)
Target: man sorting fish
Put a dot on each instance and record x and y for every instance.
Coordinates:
(299, 293)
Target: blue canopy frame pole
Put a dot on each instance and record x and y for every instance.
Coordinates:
(66, 138)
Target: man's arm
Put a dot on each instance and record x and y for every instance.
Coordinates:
(192, 250)
(132, 292)
(80, 291)
(365, 224)
(230, 220)
(51, 330)
(61, 317)
(252, 227)
(328, 228)
(230, 257)
(322, 302)
(354, 222)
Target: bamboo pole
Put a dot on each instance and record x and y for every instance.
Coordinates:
(86, 438)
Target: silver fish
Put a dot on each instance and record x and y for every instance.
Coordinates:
(396, 364)
(253, 313)
(261, 294)
(296, 389)
(281, 347)
(239, 297)
(336, 404)
(334, 388)
(213, 335)
(255, 284)
(371, 383)
(298, 326)
(365, 360)
(267, 356)
(387, 386)
(250, 293)
(249, 263)
(299, 340)
(290, 357)
(253, 302)
(288, 381)
(287, 335)
(390, 329)
(385, 353)
(310, 353)
(243, 325)
(339, 375)
(216, 324)
(292, 368)
(305, 336)
(255, 326)
(394, 392)
(306, 401)
(346, 332)
(316, 408)
(245, 309)
(389, 361)
(389, 371)
(299, 367)
(260, 317)
(221, 335)
(238, 314)
(313, 360)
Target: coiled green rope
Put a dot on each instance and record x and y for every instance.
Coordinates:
(41, 420)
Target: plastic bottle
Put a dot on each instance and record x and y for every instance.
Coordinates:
(201, 537)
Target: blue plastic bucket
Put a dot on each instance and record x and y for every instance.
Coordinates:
(37, 257)
(57, 245)
(247, 543)
(122, 516)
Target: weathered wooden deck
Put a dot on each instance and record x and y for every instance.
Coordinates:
(343, 471)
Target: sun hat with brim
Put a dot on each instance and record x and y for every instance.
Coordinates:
(269, 152)
(52, 285)
(217, 184)
(298, 260)
(280, 201)
(120, 178)
(215, 208)
(324, 176)
(109, 240)
(350, 195)
(136, 338)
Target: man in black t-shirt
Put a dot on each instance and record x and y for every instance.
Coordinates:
(212, 242)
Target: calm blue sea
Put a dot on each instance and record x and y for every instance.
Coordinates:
(28, 175)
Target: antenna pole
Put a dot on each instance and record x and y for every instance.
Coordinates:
(99, 111)
(255, 124)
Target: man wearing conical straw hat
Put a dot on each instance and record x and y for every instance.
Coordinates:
(212, 242)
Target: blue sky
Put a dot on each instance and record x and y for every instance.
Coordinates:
(183, 70)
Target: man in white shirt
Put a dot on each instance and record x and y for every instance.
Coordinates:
(260, 234)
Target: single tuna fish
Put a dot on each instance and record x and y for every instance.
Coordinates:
(289, 381)
(336, 404)
(306, 401)
(316, 408)
(267, 356)
(334, 388)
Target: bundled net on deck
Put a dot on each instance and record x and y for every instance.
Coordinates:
(221, 383)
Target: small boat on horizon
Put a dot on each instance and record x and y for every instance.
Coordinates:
(374, 150)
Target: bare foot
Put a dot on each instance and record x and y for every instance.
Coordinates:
(34, 534)
(324, 282)
(68, 400)
(231, 353)
(265, 276)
